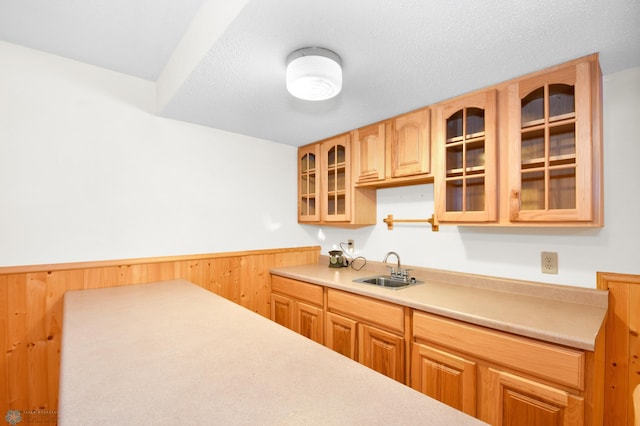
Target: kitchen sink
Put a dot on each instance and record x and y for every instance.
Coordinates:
(387, 281)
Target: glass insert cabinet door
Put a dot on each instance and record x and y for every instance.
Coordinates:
(336, 182)
(550, 147)
(308, 184)
(466, 189)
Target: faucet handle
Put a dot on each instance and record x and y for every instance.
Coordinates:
(404, 274)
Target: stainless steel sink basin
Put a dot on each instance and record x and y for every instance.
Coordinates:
(386, 281)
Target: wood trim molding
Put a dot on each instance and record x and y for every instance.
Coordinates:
(4, 270)
(622, 359)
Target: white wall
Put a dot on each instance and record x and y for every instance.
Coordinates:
(515, 252)
(88, 172)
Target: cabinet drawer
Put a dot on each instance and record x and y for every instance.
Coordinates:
(302, 291)
(558, 364)
(386, 315)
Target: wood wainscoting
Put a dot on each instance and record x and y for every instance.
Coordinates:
(31, 306)
(622, 365)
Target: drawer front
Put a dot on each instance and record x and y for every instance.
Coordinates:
(386, 315)
(558, 364)
(300, 290)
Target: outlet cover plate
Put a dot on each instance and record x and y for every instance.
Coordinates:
(549, 262)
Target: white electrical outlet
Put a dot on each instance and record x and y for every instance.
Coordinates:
(351, 246)
(549, 261)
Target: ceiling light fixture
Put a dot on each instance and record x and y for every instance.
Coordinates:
(314, 74)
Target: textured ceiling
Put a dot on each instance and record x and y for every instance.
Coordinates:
(397, 55)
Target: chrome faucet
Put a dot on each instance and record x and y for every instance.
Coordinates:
(402, 274)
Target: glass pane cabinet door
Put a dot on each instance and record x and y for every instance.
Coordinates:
(550, 147)
(336, 192)
(466, 190)
(308, 184)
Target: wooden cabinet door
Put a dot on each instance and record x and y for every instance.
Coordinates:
(443, 376)
(309, 183)
(368, 159)
(308, 321)
(466, 188)
(282, 310)
(410, 144)
(551, 146)
(342, 335)
(381, 351)
(507, 399)
(335, 185)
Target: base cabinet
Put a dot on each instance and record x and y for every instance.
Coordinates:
(381, 351)
(509, 399)
(298, 306)
(444, 376)
(368, 331)
(308, 321)
(500, 378)
(342, 335)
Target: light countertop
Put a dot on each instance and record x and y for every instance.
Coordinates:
(565, 315)
(173, 353)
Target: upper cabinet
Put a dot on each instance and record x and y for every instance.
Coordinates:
(308, 183)
(336, 179)
(326, 194)
(554, 146)
(395, 152)
(409, 145)
(369, 146)
(466, 165)
(526, 152)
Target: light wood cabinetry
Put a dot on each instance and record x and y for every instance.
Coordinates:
(326, 194)
(335, 185)
(466, 168)
(554, 145)
(309, 183)
(369, 146)
(369, 331)
(444, 376)
(395, 152)
(527, 152)
(508, 399)
(298, 306)
(382, 351)
(515, 380)
(409, 144)
(499, 377)
(342, 335)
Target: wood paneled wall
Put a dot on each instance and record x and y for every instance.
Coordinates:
(31, 306)
(622, 365)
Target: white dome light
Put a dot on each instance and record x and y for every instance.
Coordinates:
(314, 74)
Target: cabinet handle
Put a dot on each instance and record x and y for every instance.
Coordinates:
(514, 206)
